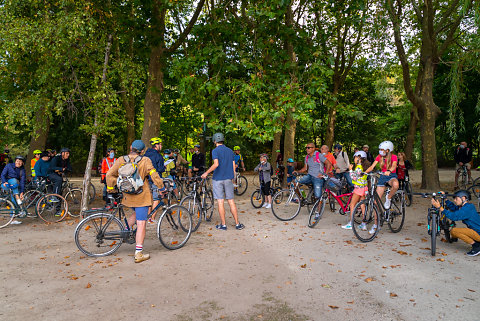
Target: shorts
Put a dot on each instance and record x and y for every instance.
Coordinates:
(156, 196)
(141, 213)
(385, 179)
(360, 191)
(223, 189)
(266, 188)
(469, 166)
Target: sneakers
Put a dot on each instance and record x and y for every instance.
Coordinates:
(268, 205)
(388, 202)
(347, 226)
(363, 226)
(264, 205)
(373, 229)
(221, 227)
(152, 221)
(475, 249)
(15, 222)
(19, 201)
(140, 257)
(239, 226)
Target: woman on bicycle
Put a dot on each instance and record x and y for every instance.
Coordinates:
(264, 175)
(359, 180)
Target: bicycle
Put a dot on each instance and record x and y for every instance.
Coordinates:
(475, 190)
(101, 234)
(437, 222)
(258, 198)
(463, 177)
(369, 215)
(287, 203)
(406, 186)
(331, 190)
(241, 184)
(200, 204)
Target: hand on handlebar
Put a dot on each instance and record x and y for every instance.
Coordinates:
(435, 203)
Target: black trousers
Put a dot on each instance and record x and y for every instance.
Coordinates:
(57, 183)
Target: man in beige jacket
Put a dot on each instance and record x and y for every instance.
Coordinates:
(139, 202)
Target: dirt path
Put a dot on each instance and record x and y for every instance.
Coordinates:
(271, 270)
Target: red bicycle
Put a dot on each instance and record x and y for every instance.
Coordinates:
(333, 186)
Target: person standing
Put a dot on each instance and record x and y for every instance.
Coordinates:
(198, 161)
(264, 168)
(365, 148)
(36, 157)
(342, 168)
(223, 169)
(463, 156)
(107, 163)
(139, 202)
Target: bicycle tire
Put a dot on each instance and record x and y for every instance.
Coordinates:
(331, 202)
(316, 213)
(433, 233)
(408, 193)
(99, 235)
(193, 206)
(208, 205)
(256, 181)
(370, 217)
(445, 224)
(30, 199)
(49, 210)
(179, 184)
(74, 200)
(275, 191)
(463, 180)
(397, 212)
(7, 212)
(91, 193)
(289, 206)
(174, 227)
(257, 199)
(242, 185)
(476, 181)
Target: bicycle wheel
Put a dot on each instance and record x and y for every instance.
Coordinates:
(397, 212)
(275, 191)
(476, 181)
(242, 185)
(74, 200)
(193, 206)
(174, 227)
(331, 202)
(256, 181)
(408, 192)
(208, 204)
(52, 208)
(91, 193)
(446, 225)
(286, 205)
(316, 212)
(463, 180)
(30, 199)
(365, 223)
(257, 199)
(7, 212)
(179, 188)
(433, 233)
(99, 234)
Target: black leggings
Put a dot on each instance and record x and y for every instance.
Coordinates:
(266, 188)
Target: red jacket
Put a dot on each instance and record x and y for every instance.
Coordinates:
(107, 163)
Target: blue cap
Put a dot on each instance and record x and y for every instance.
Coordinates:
(198, 146)
(138, 145)
(290, 160)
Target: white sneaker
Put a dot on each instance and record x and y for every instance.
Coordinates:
(15, 222)
(387, 203)
(268, 205)
(264, 205)
(363, 226)
(373, 229)
(347, 226)
(19, 201)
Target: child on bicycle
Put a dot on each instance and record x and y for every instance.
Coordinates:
(264, 170)
(290, 169)
(359, 180)
(461, 210)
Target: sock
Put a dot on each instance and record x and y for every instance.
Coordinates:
(138, 248)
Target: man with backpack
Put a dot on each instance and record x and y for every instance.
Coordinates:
(129, 174)
(342, 164)
(316, 166)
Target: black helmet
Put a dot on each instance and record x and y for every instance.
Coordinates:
(65, 150)
(338, 146)
(461, 193)
(20, 157)
(218, 137)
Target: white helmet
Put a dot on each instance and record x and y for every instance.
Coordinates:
(386, 145)
(360, 154)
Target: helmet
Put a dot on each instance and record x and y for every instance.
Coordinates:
(360, 154)
(386, 145)
(110, 149)
(236, 148)
(20, 157)
(37, 151)
(338, 146)
(65, 150)
(167, 151)
(277, 151)
(290, 160)
(176, 150)
(462, 193)
(155, 140)
(218, 137)
(197, 146)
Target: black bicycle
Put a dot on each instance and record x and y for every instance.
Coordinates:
(258, 197)
(437, 222)
(199, 202)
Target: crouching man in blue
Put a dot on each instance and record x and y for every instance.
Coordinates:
(461, 210)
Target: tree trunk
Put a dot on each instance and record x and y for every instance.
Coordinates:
(412, 130)
(39, 136)
(289, 140)
(330, 133)
(130, 118)
(276, 146)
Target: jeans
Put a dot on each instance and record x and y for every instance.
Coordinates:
(347, 177)
(12, 181)
(317, 184)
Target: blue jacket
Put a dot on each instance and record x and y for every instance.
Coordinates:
(41, 168)
(466, 213)
(58, 164)
(10, 171)
(157, 160)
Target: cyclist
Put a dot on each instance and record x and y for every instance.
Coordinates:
(463, 156)
(42, 166)
(342, 166)
(180, 161)
(290, 169)
(264, 169)
(189, 160)
(366, 148)
(316, 165)
(13, 178)
(198, 161)
(156, 158)
(170, 168)
(107, 163)
(139, 202)
(59, 165)
(238, 159)
(36, 157)
(461, 210)
(326, 152)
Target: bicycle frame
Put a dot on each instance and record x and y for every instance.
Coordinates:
(339, 198)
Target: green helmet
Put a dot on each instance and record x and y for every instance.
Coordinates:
(236, 148)
(155, 140)
(37, 151)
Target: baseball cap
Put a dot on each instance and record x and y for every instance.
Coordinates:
(138, 145)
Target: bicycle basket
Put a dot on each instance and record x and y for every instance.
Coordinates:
(334, 184)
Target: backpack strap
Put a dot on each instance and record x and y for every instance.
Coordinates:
(126, 158)
(137, 159)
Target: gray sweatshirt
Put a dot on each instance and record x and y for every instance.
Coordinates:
(265, 168)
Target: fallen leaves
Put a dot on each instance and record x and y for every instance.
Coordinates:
(88, 286)
(368, 280)
(333, 307)
(303, 266)
(441, 260)
(393, 295)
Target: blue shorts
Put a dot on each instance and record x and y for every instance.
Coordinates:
(141, 213)
(385, 179)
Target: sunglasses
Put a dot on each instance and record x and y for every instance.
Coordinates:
(308, 147)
